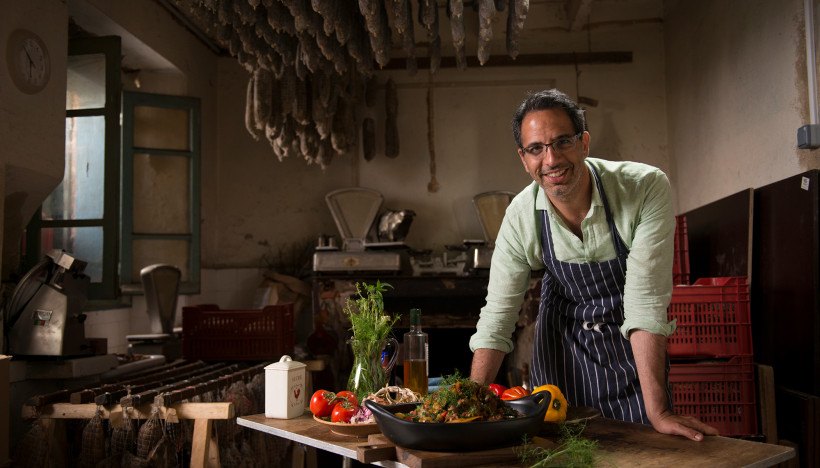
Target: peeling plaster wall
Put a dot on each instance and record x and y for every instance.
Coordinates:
(736, 93)
(263, 204)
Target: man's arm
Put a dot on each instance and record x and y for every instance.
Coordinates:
(650, 357)
(486, 363)
(517, 252)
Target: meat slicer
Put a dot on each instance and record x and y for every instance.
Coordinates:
(490, 207)
(354, 210)
(43, 316)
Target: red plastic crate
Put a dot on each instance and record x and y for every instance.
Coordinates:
(211, 334)
(680, 261)
(712, 318)
(721, 394)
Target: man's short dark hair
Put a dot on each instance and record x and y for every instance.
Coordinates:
(548, 99)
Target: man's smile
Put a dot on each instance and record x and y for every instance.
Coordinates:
(555, 176)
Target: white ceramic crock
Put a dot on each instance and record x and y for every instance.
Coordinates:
(285, 389)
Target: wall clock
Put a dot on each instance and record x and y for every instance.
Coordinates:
(28, 61)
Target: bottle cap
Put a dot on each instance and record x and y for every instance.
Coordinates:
(415, 316)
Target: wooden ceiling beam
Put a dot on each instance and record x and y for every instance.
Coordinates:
(523, 60)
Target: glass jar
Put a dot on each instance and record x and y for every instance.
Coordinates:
(372, 363)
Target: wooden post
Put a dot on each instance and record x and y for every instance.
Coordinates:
(766, 397)
(204, 449)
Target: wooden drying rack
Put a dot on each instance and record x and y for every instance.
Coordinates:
(204, 450)
(164, 388)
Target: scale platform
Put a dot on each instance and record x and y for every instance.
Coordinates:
(344, 261)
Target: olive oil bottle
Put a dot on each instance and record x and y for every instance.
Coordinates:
(415, 355)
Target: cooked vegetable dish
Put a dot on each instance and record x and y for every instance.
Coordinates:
(462, 401)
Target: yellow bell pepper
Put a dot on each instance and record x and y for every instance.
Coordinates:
(557, 411)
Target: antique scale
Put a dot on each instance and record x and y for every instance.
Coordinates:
(490, 207)
(354, 210)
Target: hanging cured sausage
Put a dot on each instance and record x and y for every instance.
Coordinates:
(262, 86)
(456, 9)
(486, 13)
(403, 24)
(516, 16)
(375, 18)
(308, 61)
(428, 16)
(368, 139)
(250, 123)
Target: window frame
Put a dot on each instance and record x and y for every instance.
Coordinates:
(131, 100)
(108, 287)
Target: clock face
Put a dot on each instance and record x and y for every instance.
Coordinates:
(32, 63)
(28, 61)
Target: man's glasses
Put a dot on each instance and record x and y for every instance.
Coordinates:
(558, 146)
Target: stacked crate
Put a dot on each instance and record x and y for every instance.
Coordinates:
(712, 370)
(213, 334)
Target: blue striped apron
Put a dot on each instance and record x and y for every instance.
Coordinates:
(578, 344)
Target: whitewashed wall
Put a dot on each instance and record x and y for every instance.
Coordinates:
(737, 93)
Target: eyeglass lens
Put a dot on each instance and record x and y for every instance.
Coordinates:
(559, 145)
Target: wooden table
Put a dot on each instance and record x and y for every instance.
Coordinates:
(620, 444)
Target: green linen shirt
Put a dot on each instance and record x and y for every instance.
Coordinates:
(640, 201)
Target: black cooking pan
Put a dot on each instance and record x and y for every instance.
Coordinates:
(462, 437)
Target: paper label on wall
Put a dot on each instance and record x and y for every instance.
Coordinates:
(804, 183)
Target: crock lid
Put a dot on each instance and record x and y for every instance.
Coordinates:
(285, 363)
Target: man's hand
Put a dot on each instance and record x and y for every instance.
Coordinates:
(687, 426)
(650, 358)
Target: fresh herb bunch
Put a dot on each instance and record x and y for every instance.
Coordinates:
(366, 313)
(573, 451)
(371, 329)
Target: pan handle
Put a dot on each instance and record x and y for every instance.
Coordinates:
(540, 400)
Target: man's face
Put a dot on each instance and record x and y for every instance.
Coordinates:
(559, 168)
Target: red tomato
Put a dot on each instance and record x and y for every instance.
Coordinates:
(515, 393)
(497, 389)
(321, 403)
(342, 412)
(349, 396)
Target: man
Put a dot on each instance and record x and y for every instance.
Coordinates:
(602, 232)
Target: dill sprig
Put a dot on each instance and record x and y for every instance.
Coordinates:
(573, 451)
(449, 393)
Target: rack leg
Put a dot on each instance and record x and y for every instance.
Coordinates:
(204, 449)
(303, 456)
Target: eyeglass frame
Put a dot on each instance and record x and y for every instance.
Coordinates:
(555, 149)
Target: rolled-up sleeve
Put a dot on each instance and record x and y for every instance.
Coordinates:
(517, 253)
(648, 287)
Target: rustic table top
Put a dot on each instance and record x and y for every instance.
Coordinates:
(620, 444)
